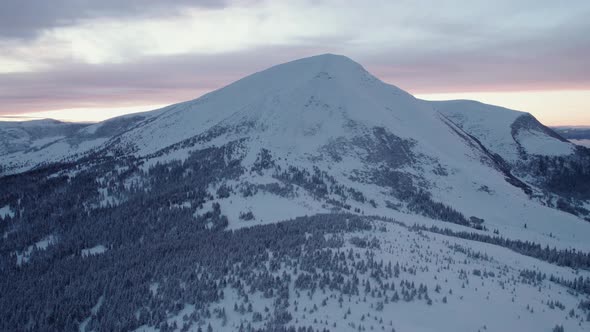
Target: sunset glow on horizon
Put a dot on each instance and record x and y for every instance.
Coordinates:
(547, 106)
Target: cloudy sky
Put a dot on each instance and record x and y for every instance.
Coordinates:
(89, 60)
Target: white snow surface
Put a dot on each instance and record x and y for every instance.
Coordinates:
(6, 211)
(96, 250)
(25, 255)
(538, 143)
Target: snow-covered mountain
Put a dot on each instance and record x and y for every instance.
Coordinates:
(327, 112)
(297, 98)
(320, 136)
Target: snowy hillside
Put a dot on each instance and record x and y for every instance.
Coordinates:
(477, 205)
(33, 135)
(505, 132)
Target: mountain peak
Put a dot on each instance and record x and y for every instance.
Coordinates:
(323, 66)
(331, 76)
(328, 62)
(330, 59)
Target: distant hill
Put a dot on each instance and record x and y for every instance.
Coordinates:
(577, 135)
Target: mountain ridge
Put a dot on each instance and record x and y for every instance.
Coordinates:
(315, 70)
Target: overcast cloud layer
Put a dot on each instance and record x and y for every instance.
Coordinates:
(68, 53)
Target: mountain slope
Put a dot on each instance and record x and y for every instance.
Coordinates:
(508, 133)
(556, 169)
